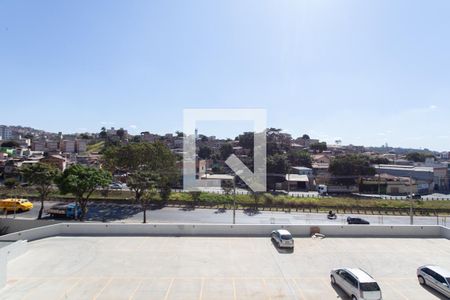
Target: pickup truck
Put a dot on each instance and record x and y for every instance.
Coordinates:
(65, 210)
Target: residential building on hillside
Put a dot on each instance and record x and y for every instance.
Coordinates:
(5, 133)
(80, 146)
(68, 146)
(38, 146)
(57, 161)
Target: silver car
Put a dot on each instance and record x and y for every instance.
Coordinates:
(435, 277)
(282, 238)
(356, 283)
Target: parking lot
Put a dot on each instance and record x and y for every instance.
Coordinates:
(215, 268)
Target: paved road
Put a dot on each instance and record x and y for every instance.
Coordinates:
(132, 214)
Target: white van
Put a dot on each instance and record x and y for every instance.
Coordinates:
(356, 283)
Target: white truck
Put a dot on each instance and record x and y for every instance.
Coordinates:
(324, 189)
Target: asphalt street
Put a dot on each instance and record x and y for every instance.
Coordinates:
(128, 213)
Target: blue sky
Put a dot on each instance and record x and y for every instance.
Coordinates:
(365, 72)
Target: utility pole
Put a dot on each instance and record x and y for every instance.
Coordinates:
(411, 203)
(234, 199)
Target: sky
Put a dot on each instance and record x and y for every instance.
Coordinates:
(364, 72)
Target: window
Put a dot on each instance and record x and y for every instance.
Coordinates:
(369, 287)
(428, 272)
(439, 278)
(286, 237)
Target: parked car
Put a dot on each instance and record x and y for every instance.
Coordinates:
(414, 196)
(282, 238)
(115, 186)
(356, 283)
(435, 277)
(17, 205)
(351, 220)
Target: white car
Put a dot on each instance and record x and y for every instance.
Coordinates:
(283, 238)
(356, 283)
(435, 277)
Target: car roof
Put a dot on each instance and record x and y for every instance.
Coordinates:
(283, 232)
(441, 271)
(360, 274)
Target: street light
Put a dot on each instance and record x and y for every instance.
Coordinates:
(411, 202)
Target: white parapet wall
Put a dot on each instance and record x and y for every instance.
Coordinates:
(259, 230)
(7, 253)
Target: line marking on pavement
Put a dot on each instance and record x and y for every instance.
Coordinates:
(136, 289)
(302, 295)
(234, 288)
(200, 297)
(103, 288)
(29, 292)
(396, 290)
(67, 291)
(266, 289)
(168, 289)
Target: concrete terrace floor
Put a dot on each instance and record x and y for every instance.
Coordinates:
(215, 268)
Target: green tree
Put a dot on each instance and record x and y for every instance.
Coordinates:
(305, 137)
(103, 134)
(300, 158)
(346, 169)
(41, 176)
(195, 196)
(151, 159)
(10, 144)
(379, 161)
(418, 156)
(277, 168)
(120, 133)
(11, 183)
(319, 147)
(225, 151)
(82, 181)
(204, 152)
(140, 182)
(246, 140)
(278, 142)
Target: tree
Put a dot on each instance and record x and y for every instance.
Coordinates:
(277, 142)
(277, 167)
(318, 147)
(120, 133)
(10, 144)
(305, 137)
(347, 168)
(140, 182)
(225, 151)
(195, 196)
(179, 134)
(153, 160)
(246, 140)
(379, 161)
(227, 186)
(82, 181)
(103, 134)
(204, 152)
(256, 198)
(42, 177)
(300, 158)
(418, 156)
(11, 183)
